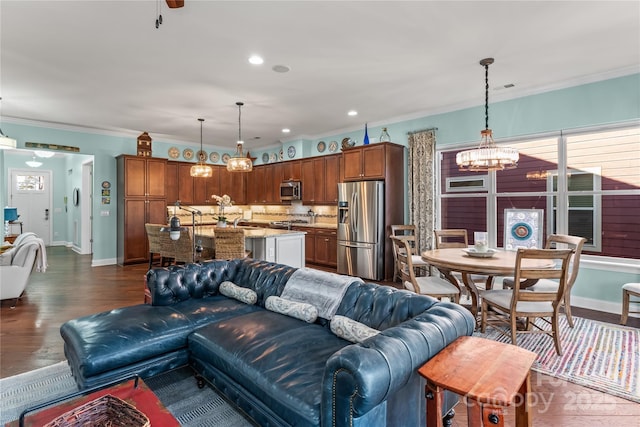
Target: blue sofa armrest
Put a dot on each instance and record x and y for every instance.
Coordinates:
(361, 377)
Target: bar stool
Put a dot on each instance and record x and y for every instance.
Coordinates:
(629, 289)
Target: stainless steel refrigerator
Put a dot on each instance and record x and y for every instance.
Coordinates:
(361, 229)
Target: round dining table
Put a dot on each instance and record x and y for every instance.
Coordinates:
(502, 263)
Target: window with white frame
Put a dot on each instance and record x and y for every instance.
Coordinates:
(586, 182)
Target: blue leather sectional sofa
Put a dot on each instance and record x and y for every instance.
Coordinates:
(279, 370)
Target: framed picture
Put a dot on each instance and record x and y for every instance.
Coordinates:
(523, 228)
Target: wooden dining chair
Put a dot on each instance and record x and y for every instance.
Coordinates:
(545, 285)
(426, 285)
(408, 232)
(508, 305)
(230, 243)
(457, 238)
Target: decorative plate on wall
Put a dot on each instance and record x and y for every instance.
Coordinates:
(281, 155)
(214, 157)
(265, 158)
(321, 146)
(202, 156)
(333, 146)
(291, 151)
(225, 158)
(187, 153)
(273, 157)
(174, 153)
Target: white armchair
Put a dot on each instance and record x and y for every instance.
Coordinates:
(14, 277)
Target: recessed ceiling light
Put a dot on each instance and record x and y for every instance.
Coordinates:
(256, 60)
(281, 68)
(353, 113)
(286, 130)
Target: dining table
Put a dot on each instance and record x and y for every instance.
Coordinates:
(467, 263)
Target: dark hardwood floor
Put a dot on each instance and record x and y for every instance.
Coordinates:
(30, 338)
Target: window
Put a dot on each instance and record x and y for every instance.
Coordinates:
(29, 183)
(586, 183)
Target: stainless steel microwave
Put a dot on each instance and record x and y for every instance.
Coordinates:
(290, 190)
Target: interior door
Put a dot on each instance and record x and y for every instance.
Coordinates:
(30, 193)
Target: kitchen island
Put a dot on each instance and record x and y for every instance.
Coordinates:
(273, 245)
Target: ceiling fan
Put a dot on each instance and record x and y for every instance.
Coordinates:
(173, 4)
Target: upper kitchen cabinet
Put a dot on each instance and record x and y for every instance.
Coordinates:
(233, 184)
(185, 184)
(332, 177)
(255, 185)
(373, 161)
(292, 170)
(142, 176)
(171, 182)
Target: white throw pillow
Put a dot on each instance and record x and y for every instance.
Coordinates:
(350, 330)
(245, 295)
(299, 310)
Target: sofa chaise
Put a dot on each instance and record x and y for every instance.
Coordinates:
(277, 366)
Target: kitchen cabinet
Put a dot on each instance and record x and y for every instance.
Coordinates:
(326, 247)
(371, 161)
(272, 179)
(141, 199)
(185, 184)
(332, 178)
(292, 170)
(256, 185)
(321, 246)
(171, 182)
(233, 184)
(312, 180)
(211, 186)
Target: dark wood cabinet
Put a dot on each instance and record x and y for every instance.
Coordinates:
(233, 184)
(141, 199)
(292, 170)
(320, 246)
(185, 184)
(332, 178)
(366, 162)
(171, 182)
(256, 185)
(326, 247)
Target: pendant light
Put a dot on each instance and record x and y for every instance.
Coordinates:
(33, 163)
(201, 170)
(488, 156)
(239, 162)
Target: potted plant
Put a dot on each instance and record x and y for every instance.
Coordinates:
(222, 201)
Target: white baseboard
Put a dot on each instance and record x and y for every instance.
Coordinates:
(101, 262)
(605, 306)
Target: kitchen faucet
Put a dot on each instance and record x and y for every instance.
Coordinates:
(237, 220)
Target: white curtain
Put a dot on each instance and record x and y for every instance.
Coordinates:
(421, 182)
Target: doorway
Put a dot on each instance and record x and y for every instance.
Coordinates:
(30, 193)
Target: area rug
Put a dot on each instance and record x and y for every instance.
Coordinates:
(177, 390)
(596, 355)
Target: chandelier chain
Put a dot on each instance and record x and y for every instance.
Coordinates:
(486, 96)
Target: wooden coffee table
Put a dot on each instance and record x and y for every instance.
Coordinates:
(141, 397)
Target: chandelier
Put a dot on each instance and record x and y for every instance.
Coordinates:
(488, 156)
(239, 162)
(201, 170)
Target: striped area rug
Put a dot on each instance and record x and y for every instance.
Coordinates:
(597, 355)
(177, 390)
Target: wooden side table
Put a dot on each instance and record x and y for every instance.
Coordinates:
(489, 374)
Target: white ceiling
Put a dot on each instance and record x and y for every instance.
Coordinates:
(104, 65)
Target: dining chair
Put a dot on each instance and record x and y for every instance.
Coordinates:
(545, 285)
(457, 238)
(153, 239)
(507, 305)
(426, 285)
(230, 243)
(408, 232)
